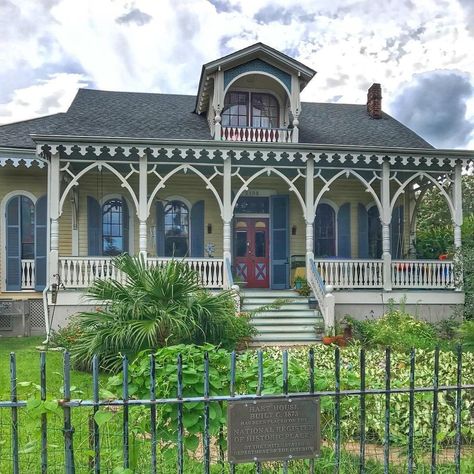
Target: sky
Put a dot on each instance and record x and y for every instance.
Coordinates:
(421, 51)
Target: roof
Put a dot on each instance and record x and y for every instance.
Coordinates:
(17, 135)
(168, 116)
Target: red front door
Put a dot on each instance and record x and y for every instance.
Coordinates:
(251, 251)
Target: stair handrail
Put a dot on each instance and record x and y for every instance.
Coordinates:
(323, 295)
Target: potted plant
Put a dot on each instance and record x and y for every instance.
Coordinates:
(302, 287)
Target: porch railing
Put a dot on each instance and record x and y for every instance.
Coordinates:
(253, 134)
(80, 272)
(416, 274)
(351, 273)
(210, 270)
(422, 274)
(27, 274)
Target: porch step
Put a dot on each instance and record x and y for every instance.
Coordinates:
(292, 323)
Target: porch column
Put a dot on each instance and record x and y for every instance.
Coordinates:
(457, 198)
(227, 214)
(386, 219)
(143, 205)
(53, 212)
(310, 211)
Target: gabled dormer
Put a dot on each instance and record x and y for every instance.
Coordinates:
(253, 95)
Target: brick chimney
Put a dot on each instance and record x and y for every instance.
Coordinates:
(374, 101)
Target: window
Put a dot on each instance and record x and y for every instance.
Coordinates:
(243, 109)
(325, 231)
(375, 233)
(27, 228)
(113, 227)
(176, 229)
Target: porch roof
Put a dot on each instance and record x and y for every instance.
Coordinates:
(97, 113)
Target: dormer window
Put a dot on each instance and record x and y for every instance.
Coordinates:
(250, 109)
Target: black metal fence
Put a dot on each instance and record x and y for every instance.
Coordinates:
(70, 442)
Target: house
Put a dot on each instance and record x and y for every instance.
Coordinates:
(243, 181)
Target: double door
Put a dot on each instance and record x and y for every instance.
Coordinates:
(251, 261)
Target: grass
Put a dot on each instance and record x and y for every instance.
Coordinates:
(28, 364)
(140, 443)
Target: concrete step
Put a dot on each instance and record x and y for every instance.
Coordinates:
(301, 313)
(282, 321)
(283, 339)
(252, 305)
(288, 329)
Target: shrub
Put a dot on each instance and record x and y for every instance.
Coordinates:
(396, 329)
(155, 307)
(466, 332)
(67, 336)
(298, 381)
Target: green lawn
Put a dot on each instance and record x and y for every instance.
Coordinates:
(28, 368)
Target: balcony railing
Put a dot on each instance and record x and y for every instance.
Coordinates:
(27, 274)
(252, 134)
(80, 272)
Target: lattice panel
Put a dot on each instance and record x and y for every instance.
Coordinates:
(36, 314)
(6, 322)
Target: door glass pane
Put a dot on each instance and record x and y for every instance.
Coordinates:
(260, 247)
(241, 243)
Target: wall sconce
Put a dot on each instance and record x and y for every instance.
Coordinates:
(293, 230)
(209, 228)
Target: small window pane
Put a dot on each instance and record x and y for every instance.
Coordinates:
(241, 243)
(260, 244)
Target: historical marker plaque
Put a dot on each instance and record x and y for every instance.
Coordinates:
(273, 430)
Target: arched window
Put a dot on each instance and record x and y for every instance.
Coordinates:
(250, 109)
(374, 233)
(176, 228)
(325, 231)
(113, 224)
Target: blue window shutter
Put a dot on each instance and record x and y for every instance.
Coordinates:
(94, 227)
(363, 231)
(13, 247)
(197, 229)
(396, 232)
(125, 227)
(344, 231)
(160, 229)
(279, 241)
(41, 219)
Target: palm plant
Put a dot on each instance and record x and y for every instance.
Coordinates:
(155, 307)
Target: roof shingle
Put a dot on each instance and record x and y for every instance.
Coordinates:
(169, 116)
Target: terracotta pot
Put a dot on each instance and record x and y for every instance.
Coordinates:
(327, 340)
(340, 340)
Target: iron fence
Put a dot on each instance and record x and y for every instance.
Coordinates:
(59, 445)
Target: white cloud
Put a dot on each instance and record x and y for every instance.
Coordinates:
(49, 96)
(351, 43)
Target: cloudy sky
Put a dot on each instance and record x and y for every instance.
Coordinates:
(421, 51)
